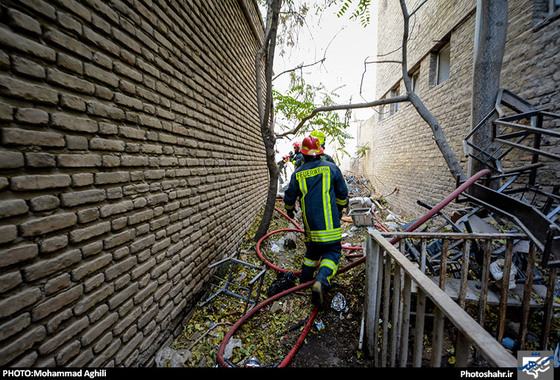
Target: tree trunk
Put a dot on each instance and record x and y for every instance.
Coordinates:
(490, 40)
(265, 112)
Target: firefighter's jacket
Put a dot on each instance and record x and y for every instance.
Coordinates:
(297, 160)
(322, 192)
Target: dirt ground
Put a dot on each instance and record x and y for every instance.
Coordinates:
(337, 344)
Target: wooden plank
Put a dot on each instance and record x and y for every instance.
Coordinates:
(419, 329)
(395, 316)
(386, 304)
(437, 338)
(371, 267)
(405, 320)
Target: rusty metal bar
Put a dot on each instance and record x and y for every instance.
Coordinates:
(528, 288)
(505, 289)
(548, 308)
(464, 273)
(443, 263)
(484, 281)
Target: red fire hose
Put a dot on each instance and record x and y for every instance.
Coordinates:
(287, 359)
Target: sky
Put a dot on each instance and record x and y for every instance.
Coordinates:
(347, 44)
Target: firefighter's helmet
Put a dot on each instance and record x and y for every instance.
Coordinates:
(311, 146)
(320, 135)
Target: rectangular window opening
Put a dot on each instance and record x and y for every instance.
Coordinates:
(443, 63)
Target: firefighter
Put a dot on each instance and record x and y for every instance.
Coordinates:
(297, 158)
(322, 193)
(282, 168)
(321, 137)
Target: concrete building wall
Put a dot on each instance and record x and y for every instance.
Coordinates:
(404, 162)
(130, 145)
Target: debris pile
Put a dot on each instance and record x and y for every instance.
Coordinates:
(268, 336)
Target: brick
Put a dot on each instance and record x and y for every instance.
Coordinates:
(53, 244)
(40, 226)
(117, 208)
(78, 160)
(73, 329)
(13, 207)
(87, 233)
(88, 267)
(99, 74)
(70, 82)
(40, 160)
(122, 296)
(53, 304)
(44, 202)
(82, 197)
(14, 348)
(19, 301)
(74, 123)
(39, 182)
(15, 136)
(6, 112)
(32, 116)
(66, 42)
(118, 239)
(49, 266)
(111, 177)
(11, 87)
(90, 336)
(93, 299)
(106, 144)
(23, 21)
(23, 44)
(102, 110)
(8, 233)
(14, 326)
(58, 283)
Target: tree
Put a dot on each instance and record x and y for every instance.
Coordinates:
(265, 105)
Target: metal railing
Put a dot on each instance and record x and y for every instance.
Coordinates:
(390, 321)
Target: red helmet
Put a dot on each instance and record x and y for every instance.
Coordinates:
(311, 146)
(296, 146)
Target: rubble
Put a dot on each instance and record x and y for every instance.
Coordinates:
(271, 333)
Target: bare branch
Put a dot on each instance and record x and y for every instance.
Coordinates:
(396, 99)
(299, 67)
(384, 61)
(417, 9)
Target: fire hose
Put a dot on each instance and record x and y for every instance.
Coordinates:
(220, 354)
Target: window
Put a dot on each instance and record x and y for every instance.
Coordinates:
(394, 107)
(415, 77)
(443, 63)
(553, 6)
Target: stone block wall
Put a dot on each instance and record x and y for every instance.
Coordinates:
(404, 162)
(130, 159)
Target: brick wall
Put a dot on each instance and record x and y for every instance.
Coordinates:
(130, 147)
(404, 160)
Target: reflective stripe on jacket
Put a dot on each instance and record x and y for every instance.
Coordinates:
(321, 190)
